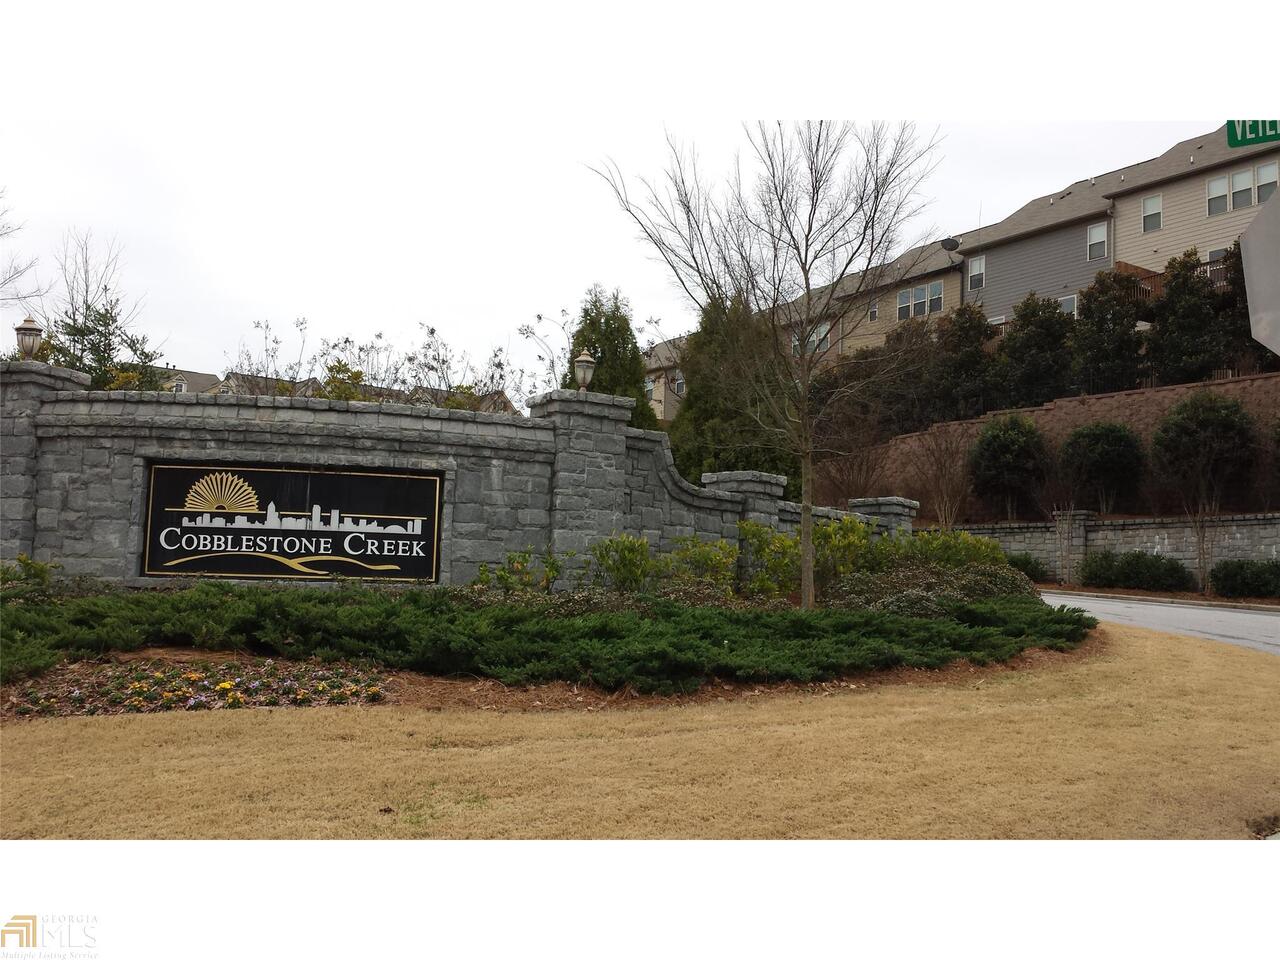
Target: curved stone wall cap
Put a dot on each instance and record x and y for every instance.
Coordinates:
(884, 502)
(607, 399)
(11, 367)
(755, 476)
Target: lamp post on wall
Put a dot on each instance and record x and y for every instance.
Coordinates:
(29, 334)
(583, 368)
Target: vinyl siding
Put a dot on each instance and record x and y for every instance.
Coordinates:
(1185, 222)
(665, 401)
(1050, 264)
(860, 333)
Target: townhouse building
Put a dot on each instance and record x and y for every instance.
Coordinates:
(1199, 193)
(664, 384)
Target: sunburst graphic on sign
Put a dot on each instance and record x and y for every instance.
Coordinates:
(222, 492)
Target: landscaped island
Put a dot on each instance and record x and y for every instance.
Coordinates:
(657, 624)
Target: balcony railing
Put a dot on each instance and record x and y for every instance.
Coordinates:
(1149, 285)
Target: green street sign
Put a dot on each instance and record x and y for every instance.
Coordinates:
(1245, 133)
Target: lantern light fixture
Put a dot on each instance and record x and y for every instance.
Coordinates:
(29, 334)
(583, 368)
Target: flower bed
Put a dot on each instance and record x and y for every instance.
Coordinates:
(157, 686)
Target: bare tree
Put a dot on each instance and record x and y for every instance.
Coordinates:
(439, 374)
(267, 373)
(374, 370)
(88, 278)
(17, 277)
(552, 339)
(939, 461)
(89, 326)
(801, 239)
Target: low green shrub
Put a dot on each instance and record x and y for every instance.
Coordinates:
(654, 645)
(923, 589)
(839, 548)
(623, 562)
(21, 654)
(772, 560)
(947, 548)
(709, 566)
(26, 578)
(522, 572)
(1246, 578)
(1135, 570)
(845, 546)
(1033, 567)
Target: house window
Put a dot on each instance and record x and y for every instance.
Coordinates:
(935, 296)
(996, 321)
(1217, 194)
(179, 386)
(1218, 254)
(874, 312)
(1098, 241)
(1067, 304)
(648, 388)
(679, 388)
(904, 304)
(977, 273)
(225, 391)
(919, 303)
(1241, 189)
(820, 339)
(1267, 180)
(1152, 207)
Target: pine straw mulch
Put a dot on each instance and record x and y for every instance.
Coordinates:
(137, 682)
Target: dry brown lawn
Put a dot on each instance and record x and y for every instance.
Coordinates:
(1150, 736)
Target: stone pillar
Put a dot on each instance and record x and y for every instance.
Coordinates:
(892, 515)
(23, 386)
(1071, 534)
(762, 490)
(589, 476)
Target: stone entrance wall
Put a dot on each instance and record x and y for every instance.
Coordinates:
(74, 476)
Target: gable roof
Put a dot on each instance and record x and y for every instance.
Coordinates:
(664, 355)
(1189, 157)
(1093, 196)
(196, 381)
(1084, 199)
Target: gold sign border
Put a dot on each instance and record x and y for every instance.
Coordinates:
(151, 486)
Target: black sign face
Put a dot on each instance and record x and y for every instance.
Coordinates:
(306, 524)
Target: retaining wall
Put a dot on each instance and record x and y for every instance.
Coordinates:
(1062, 543)
(1140, 410)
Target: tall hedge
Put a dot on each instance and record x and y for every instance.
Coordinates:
(1107, 460)
(1007, 462)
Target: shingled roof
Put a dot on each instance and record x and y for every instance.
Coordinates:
(664, 355)
(1084, 199)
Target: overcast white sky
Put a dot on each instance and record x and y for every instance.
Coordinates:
(357, 185)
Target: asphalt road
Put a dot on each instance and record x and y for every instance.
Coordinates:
(1258, 629)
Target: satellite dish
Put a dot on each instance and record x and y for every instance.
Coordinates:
(950, 244)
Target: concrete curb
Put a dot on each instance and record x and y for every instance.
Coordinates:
(1260, 607)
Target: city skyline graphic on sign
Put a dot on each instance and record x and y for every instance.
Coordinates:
(228, 493)
(316, 520)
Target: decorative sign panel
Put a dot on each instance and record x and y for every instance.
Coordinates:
(305, 523)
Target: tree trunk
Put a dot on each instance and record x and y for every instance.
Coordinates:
(1199, 526)
(807, 594)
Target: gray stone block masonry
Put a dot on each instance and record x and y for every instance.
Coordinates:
(74, 466)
